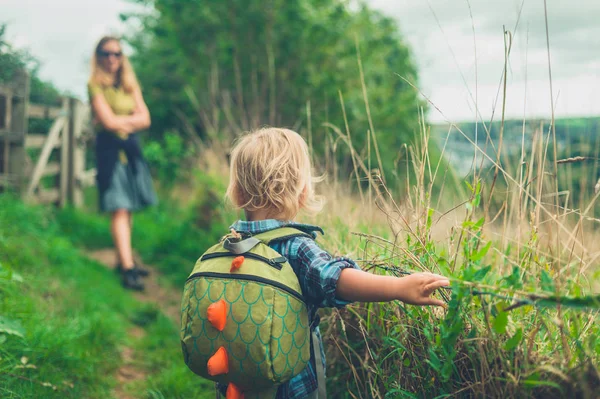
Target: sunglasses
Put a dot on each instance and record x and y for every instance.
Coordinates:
(106, 54)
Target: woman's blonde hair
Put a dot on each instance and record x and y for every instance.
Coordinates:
(125, 76)
(271, 169)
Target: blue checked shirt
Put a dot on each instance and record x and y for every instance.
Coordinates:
(318, 273)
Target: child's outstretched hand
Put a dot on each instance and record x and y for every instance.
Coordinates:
(416, 289)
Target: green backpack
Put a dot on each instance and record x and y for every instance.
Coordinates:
(244, 320)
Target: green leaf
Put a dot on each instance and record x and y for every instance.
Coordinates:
(514, 341)
(11, 327)
(477, 199)
(480, 274)
(468, 273)
(406, 362)
(500, 322)
(434, 360)
(430, 212)
(479, 223)
(536, 383)
(481, 253)
(400, 393)
(547, 282)
(514, 280)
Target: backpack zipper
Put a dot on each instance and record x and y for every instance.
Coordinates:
(277, 263)
(249, 277)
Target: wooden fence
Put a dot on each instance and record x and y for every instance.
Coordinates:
(45, 167)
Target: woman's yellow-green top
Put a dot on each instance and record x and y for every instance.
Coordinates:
(121, 102)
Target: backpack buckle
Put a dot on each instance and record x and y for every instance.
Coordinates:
(238, 247)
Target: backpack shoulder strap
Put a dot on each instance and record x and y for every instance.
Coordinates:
(280, 234)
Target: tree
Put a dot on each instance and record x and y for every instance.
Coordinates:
(215, 66)
(13, 60)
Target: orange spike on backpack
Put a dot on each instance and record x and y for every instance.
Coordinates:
(217, 314)
(236, 264)
(233, 392)
(218, 363)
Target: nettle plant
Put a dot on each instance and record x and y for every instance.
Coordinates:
(509, 328)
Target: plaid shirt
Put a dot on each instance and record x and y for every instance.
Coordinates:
(318, 273)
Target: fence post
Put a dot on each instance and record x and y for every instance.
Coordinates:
(65, 155)
(5, 116)
(18, 129)
(78, 153)
(72, 147)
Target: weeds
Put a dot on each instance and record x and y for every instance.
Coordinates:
(519, 323)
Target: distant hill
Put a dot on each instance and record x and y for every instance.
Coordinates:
(574, 137)
(566, 128)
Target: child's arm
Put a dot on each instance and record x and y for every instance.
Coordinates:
(415, 289)
(335, 282)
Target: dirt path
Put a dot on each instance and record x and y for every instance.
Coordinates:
(166, 300)
(128, 372)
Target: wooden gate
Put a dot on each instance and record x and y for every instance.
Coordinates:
(45, 167)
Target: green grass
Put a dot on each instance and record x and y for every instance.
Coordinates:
(64, 317)
(73, 312)
(170, 378)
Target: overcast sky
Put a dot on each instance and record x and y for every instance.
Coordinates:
(62, 34)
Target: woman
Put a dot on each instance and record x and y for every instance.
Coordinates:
(124, 182)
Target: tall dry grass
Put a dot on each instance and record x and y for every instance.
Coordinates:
(519, 323)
